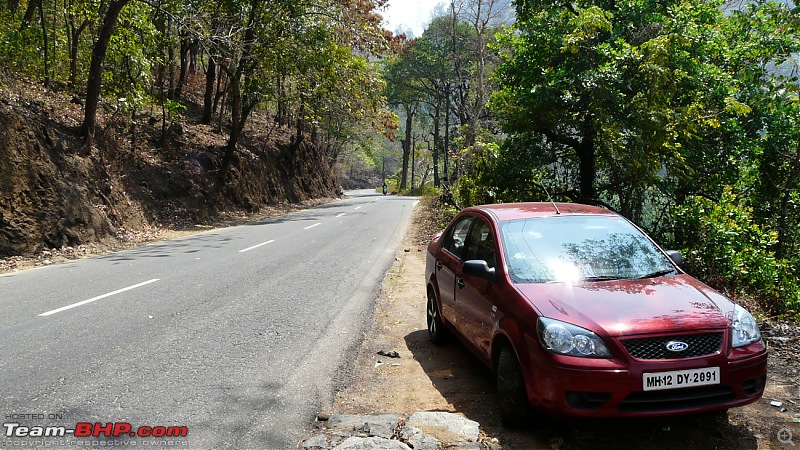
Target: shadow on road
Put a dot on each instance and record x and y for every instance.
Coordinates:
(469, 386)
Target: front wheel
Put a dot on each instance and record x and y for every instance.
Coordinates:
(436, 331)
(511, 394)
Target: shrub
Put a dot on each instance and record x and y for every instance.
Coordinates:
(726, 247)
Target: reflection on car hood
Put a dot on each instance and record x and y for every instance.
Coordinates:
(628, 307)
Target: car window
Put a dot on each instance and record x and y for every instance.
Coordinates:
(480, 243)
(458, 237)
(573, 248)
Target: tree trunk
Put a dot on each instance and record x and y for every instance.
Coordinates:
(240, 109)
(407, 146)
(208, 96)
(75, 35)
(193, 51)
(45, 45)
(233, 138)
(184, 55)
(170, 59)
(96, 70)
(436, 147)
(447, 134)
(221, 90)
(29, 12)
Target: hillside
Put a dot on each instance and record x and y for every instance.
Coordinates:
(56, 194)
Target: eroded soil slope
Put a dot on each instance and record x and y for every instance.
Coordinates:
(142, 176)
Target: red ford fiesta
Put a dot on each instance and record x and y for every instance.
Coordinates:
(578, 311)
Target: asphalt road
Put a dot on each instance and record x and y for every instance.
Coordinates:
(238, 334)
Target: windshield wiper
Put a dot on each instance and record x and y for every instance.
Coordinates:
(657, 274)
(603, 278)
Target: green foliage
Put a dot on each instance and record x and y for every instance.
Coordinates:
(654, 107)
(443, 78)
(474, 187)
(617, 94)
(726, 247)
(443, 210)
(20, 47)
(133, 51)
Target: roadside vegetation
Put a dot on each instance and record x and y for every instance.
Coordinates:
(680, 115)
(306, 65)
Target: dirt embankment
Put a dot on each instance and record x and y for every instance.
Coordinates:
(448, 378)
(58, 197)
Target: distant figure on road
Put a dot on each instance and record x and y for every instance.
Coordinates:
(385, 188)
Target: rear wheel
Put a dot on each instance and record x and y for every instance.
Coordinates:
(436, 330)
(511, 394)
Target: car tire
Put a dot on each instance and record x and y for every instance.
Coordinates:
(437, 333)
(511, 394)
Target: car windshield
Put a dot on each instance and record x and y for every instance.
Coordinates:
(575, 248)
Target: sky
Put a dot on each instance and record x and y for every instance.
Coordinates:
(414, 14)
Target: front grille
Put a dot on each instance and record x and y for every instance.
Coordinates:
(676, 399)
(656, 347)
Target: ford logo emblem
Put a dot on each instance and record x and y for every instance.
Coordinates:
(677, 346)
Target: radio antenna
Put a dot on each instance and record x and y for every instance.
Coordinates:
(551, 199)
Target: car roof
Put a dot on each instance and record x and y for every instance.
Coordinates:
(511, 211)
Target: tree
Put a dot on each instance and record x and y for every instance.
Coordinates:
(401, 93)
(619, 93)
(93, 85)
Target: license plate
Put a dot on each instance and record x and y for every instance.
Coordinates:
(680, 379)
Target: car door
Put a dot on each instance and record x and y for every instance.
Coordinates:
(476, 309)
(448, 264)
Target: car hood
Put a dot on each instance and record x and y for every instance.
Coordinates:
(630, 307)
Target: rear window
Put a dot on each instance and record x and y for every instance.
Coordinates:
(575, 248)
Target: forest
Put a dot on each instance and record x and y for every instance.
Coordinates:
(682, 115)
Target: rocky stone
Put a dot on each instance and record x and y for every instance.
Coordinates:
(318, 442)
(417, 439)
(422, 431)
(371, 443)
(444, 426)
(381, 425)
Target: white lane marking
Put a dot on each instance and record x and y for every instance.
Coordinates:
(256, 246)
(357, 207)
(340, 214)
(74, 305)
(312, 226)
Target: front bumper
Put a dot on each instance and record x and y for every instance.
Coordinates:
(612, 388)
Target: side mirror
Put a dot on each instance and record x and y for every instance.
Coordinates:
(675, 256)
(479, 268)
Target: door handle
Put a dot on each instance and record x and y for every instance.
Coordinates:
(438, 265)
(461, 283)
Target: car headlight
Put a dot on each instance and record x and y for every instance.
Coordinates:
(745, 328)
(567, 339)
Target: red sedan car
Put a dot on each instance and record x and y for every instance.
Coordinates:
(578, 311)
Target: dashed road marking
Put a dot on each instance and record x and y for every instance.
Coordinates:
(99, 297)
(256, 246)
